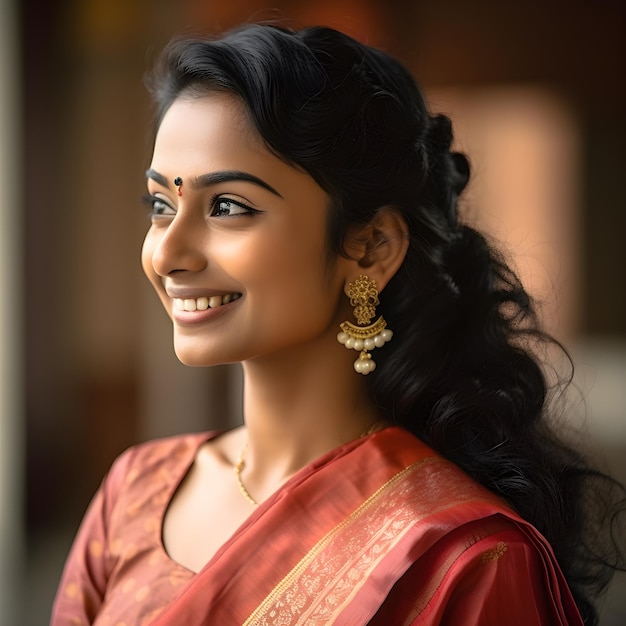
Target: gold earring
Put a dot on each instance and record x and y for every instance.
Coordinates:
(363, 294)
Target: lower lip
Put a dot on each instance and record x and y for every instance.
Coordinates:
(191, 318)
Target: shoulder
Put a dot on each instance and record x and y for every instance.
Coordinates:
(167, 449)
(472, 548)
(158, 457)
(433, 485)
(448, 506)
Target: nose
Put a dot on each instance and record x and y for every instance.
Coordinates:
(180, 247)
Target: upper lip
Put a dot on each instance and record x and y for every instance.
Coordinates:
(189, 292)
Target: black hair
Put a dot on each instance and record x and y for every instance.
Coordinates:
(462, 375)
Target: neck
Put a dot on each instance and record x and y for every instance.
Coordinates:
(297, 408)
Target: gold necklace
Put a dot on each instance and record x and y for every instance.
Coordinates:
(241, 460)
(239, 465)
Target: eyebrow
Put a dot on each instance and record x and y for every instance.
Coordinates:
(214, 178)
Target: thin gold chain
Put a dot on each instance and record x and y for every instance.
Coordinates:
(239, 465)
(241, 460)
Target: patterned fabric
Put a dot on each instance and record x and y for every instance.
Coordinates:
(118, 572)
(379, 531)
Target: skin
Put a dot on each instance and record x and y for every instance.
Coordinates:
(267, 242)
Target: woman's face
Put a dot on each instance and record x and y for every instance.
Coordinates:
(239, 259)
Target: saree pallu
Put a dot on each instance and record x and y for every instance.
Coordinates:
(380, 531)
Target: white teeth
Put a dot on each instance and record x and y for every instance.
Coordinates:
(203, 303)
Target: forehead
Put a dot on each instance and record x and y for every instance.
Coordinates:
(194, 127)
(213, 133)
(218, 106)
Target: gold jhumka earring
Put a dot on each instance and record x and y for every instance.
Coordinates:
(363, 294)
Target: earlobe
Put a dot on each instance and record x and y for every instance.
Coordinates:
(380, 247)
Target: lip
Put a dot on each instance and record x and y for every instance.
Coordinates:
(192, 318)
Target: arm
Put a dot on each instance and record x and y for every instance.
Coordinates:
(485, 573)
(508, 577)
(84, 579)
(505, 579)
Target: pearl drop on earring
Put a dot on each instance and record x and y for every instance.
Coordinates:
(365, 363)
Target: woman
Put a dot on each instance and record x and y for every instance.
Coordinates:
(395, 465)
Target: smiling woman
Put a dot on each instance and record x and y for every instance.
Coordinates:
(303, 201)
(247, 236)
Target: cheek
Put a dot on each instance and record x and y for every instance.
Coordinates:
(292, 280)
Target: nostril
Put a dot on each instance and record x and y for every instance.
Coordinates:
(180, 249)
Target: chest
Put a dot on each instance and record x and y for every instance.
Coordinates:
(204, 513)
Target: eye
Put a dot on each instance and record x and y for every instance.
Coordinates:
(158, 206)
(225, 207)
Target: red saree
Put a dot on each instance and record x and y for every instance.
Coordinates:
(378, 531)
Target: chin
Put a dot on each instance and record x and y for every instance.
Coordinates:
(194, 362)
(194, 355)
(186, 357)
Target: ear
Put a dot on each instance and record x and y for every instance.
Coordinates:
(379, 248)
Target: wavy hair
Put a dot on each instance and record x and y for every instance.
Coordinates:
(464, 377)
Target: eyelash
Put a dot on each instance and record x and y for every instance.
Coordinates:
(153, 201)
(217, 199)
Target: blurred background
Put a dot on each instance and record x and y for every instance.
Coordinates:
(537, 91)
